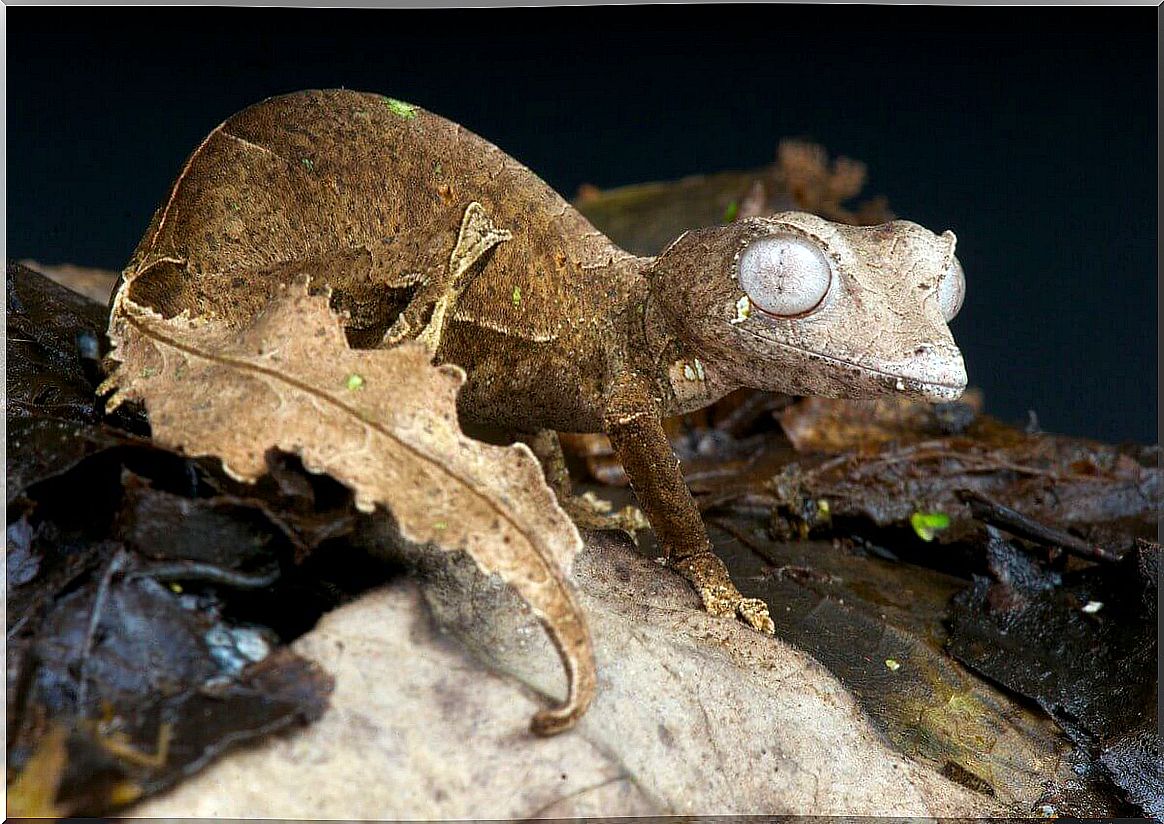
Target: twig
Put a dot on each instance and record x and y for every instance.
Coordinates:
(1023, 526)
(197, 571)
(116, 565)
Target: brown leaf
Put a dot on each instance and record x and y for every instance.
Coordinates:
(835, 425)
(33, 791)
(95, 284)
(383, 422)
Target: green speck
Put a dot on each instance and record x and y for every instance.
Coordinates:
(892, 664)
(730, 213)
(355, 382)
(437, 168)
(234, 206)
(439, 525)
(175, 588)
(925, 524)
(307, 162)
(400, 108)
(517, 296)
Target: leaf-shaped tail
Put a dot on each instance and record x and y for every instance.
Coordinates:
(572, 639)
(383, 422)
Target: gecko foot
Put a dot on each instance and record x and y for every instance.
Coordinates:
(754, 613)
(719, 595)
(398, 332)
(588, 511)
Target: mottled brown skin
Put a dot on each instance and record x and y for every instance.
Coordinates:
(556, 327)
(246, 204)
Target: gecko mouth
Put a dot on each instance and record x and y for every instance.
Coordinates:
(900, 381)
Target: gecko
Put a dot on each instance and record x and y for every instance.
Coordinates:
(423, 230)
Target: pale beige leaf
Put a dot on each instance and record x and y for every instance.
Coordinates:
(383, 422)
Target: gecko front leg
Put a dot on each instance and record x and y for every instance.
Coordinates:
(442, 288)
(634, 424)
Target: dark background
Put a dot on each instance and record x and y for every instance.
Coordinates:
(1029, 131)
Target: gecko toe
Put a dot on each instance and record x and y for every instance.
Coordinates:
(754, 613)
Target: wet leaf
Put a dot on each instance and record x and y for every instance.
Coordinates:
(53, 342)
(54, 338)
(879, 464)
(283, 382)
(859, 616)
(1093, 672)
(105, 701)
(95, 284)
(143, 688)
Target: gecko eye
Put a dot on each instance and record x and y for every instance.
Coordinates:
(951, 290)
(784, 275)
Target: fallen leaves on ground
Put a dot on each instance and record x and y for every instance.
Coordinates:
(119, 681)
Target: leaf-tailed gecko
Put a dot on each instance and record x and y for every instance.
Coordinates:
(424, 230)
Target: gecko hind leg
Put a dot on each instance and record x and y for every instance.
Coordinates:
(442, 281)
(477, 236)
(587, 511)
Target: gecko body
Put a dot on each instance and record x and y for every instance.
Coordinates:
(424, 230)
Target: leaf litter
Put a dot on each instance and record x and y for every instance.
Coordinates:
(120, 680)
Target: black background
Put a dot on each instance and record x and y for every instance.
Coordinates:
(1030, 132)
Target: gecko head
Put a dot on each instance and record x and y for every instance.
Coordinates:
(798, 304)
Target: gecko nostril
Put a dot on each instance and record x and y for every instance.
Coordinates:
(922, 350)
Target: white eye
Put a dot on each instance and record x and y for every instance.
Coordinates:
(784, 275)
(951, 290)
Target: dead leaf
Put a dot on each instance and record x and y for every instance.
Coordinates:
(835, 425)
(95, 284)
(383, 422)
(33, 792)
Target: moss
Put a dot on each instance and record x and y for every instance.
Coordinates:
(400, 108)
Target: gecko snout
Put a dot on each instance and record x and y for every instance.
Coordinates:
(936, 373)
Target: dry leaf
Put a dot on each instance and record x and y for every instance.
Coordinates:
(33, 791)
(383, 422)
(834, 425)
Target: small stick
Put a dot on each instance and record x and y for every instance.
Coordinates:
(115, 566)
(209, 573)
(1023, 526)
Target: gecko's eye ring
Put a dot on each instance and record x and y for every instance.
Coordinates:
(784, 275)
(952, 290)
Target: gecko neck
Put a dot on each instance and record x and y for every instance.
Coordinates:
(684, 381)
